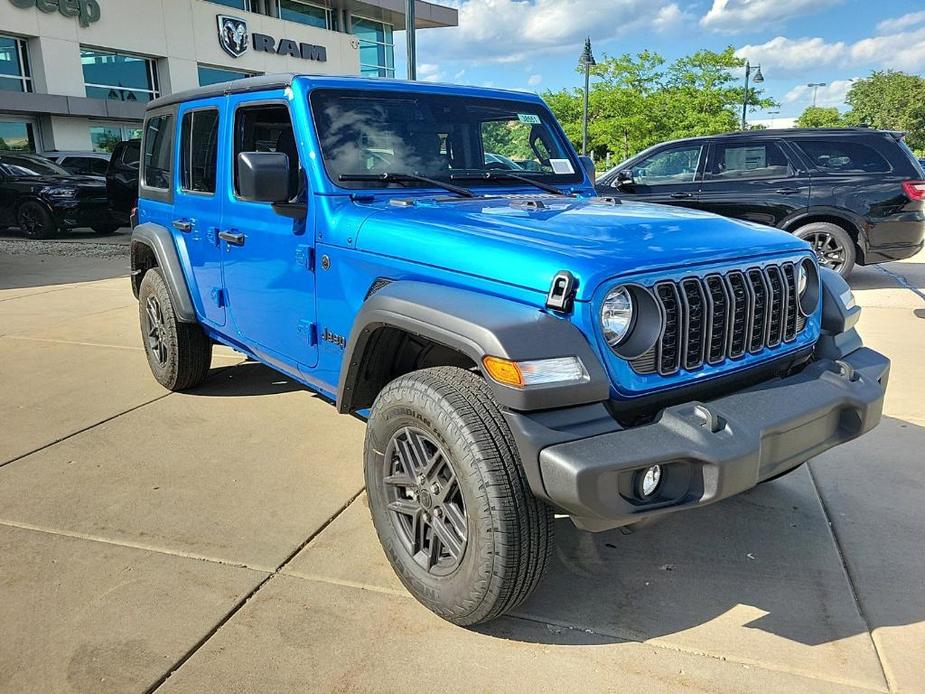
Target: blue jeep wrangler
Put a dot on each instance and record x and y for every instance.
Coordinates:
(435, 259)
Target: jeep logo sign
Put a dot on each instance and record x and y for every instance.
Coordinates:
(87, 11)
(232, 37)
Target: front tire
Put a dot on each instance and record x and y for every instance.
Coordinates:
(35, 221)
(832, 245)
(179, 354)
(448, 497)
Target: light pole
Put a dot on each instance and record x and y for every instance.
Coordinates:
(587, 59)
(815, 87)
(759, 78)
(410, 39)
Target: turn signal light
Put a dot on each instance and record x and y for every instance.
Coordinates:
(520, 374)
(915, 190)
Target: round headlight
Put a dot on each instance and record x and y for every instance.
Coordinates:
(617, 315)
(807, 286)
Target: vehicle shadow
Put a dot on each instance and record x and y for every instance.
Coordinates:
(764, 560)
(247, 379)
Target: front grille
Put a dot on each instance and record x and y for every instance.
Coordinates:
(708, 320)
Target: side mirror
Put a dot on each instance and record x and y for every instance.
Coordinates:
(588, 163)
(625, 178)
(263, 176)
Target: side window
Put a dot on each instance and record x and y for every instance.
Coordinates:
(740, 160)
(266, 128)
(676, 165)
(157, 149)
(843, 156)
(131, 154)
(98, 167)
(199, 151)
(74, 165)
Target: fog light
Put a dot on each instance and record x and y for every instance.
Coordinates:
(651, 478)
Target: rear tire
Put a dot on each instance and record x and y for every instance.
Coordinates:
(179, 354)
(35, 221)
(832, 245)
(467, 489)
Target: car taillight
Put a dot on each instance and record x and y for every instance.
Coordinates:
(915, 190)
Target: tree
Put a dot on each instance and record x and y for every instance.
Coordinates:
(637, 100)
(819, 117)
(890, 100)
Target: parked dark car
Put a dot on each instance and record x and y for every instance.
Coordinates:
(122, 180)
(41, 198)
(81, 163)
(856, 194)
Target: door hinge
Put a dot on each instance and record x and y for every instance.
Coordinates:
(218, 297)
(305, 257)
(309, 332)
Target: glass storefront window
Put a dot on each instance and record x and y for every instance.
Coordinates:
(377, 48)
(237, 4)
(104, 138)
(214, 75)
(305, 13)
(118, 76)
(16, 136)
(14, 65)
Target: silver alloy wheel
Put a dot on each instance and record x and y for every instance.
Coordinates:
(828, 250)
(156, 330)
(425, 502)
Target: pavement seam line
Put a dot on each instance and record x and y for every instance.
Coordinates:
(57, 341)
(83, 430)
(668, 646)
(241, 603)
(903, 281)
(130, 545)
(833, 533)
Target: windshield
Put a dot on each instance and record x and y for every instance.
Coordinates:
(440, 136)
(28, 166)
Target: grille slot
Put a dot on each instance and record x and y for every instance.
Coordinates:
(718, 317)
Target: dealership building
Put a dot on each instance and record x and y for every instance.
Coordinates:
(76, 74)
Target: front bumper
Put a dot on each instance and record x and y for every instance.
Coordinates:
(713, 450)
(81, 212)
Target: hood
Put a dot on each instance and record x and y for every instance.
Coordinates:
(509, 240)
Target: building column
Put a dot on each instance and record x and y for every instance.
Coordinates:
(56, 66)
(177, 74)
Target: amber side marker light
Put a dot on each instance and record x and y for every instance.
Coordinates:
(521, 374)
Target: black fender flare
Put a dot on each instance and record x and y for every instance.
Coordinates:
(160, 241)
(476, 325)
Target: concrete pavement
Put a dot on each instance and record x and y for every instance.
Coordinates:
(219, 540)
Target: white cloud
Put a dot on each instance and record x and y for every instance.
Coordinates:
(833, 94)
(907, 21)
(744, 15)
(781, 54)
(428, 72)
(509, 31)
(899, 51)
(534, 80)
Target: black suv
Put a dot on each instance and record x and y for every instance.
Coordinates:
(855, 194)
(41, 198)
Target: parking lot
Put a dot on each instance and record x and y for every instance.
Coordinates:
(219, 540)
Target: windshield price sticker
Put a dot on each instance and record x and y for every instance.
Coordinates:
(561, 166)
(530, 118)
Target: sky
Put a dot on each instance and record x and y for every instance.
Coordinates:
(534, 44)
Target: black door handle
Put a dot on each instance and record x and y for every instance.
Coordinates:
(788, 191)
(232, 237)
(681, 196)
(183, 225)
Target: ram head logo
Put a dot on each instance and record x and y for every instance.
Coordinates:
(232, 35)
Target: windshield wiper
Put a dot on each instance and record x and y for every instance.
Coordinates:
(393, 177)
(498, 175)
